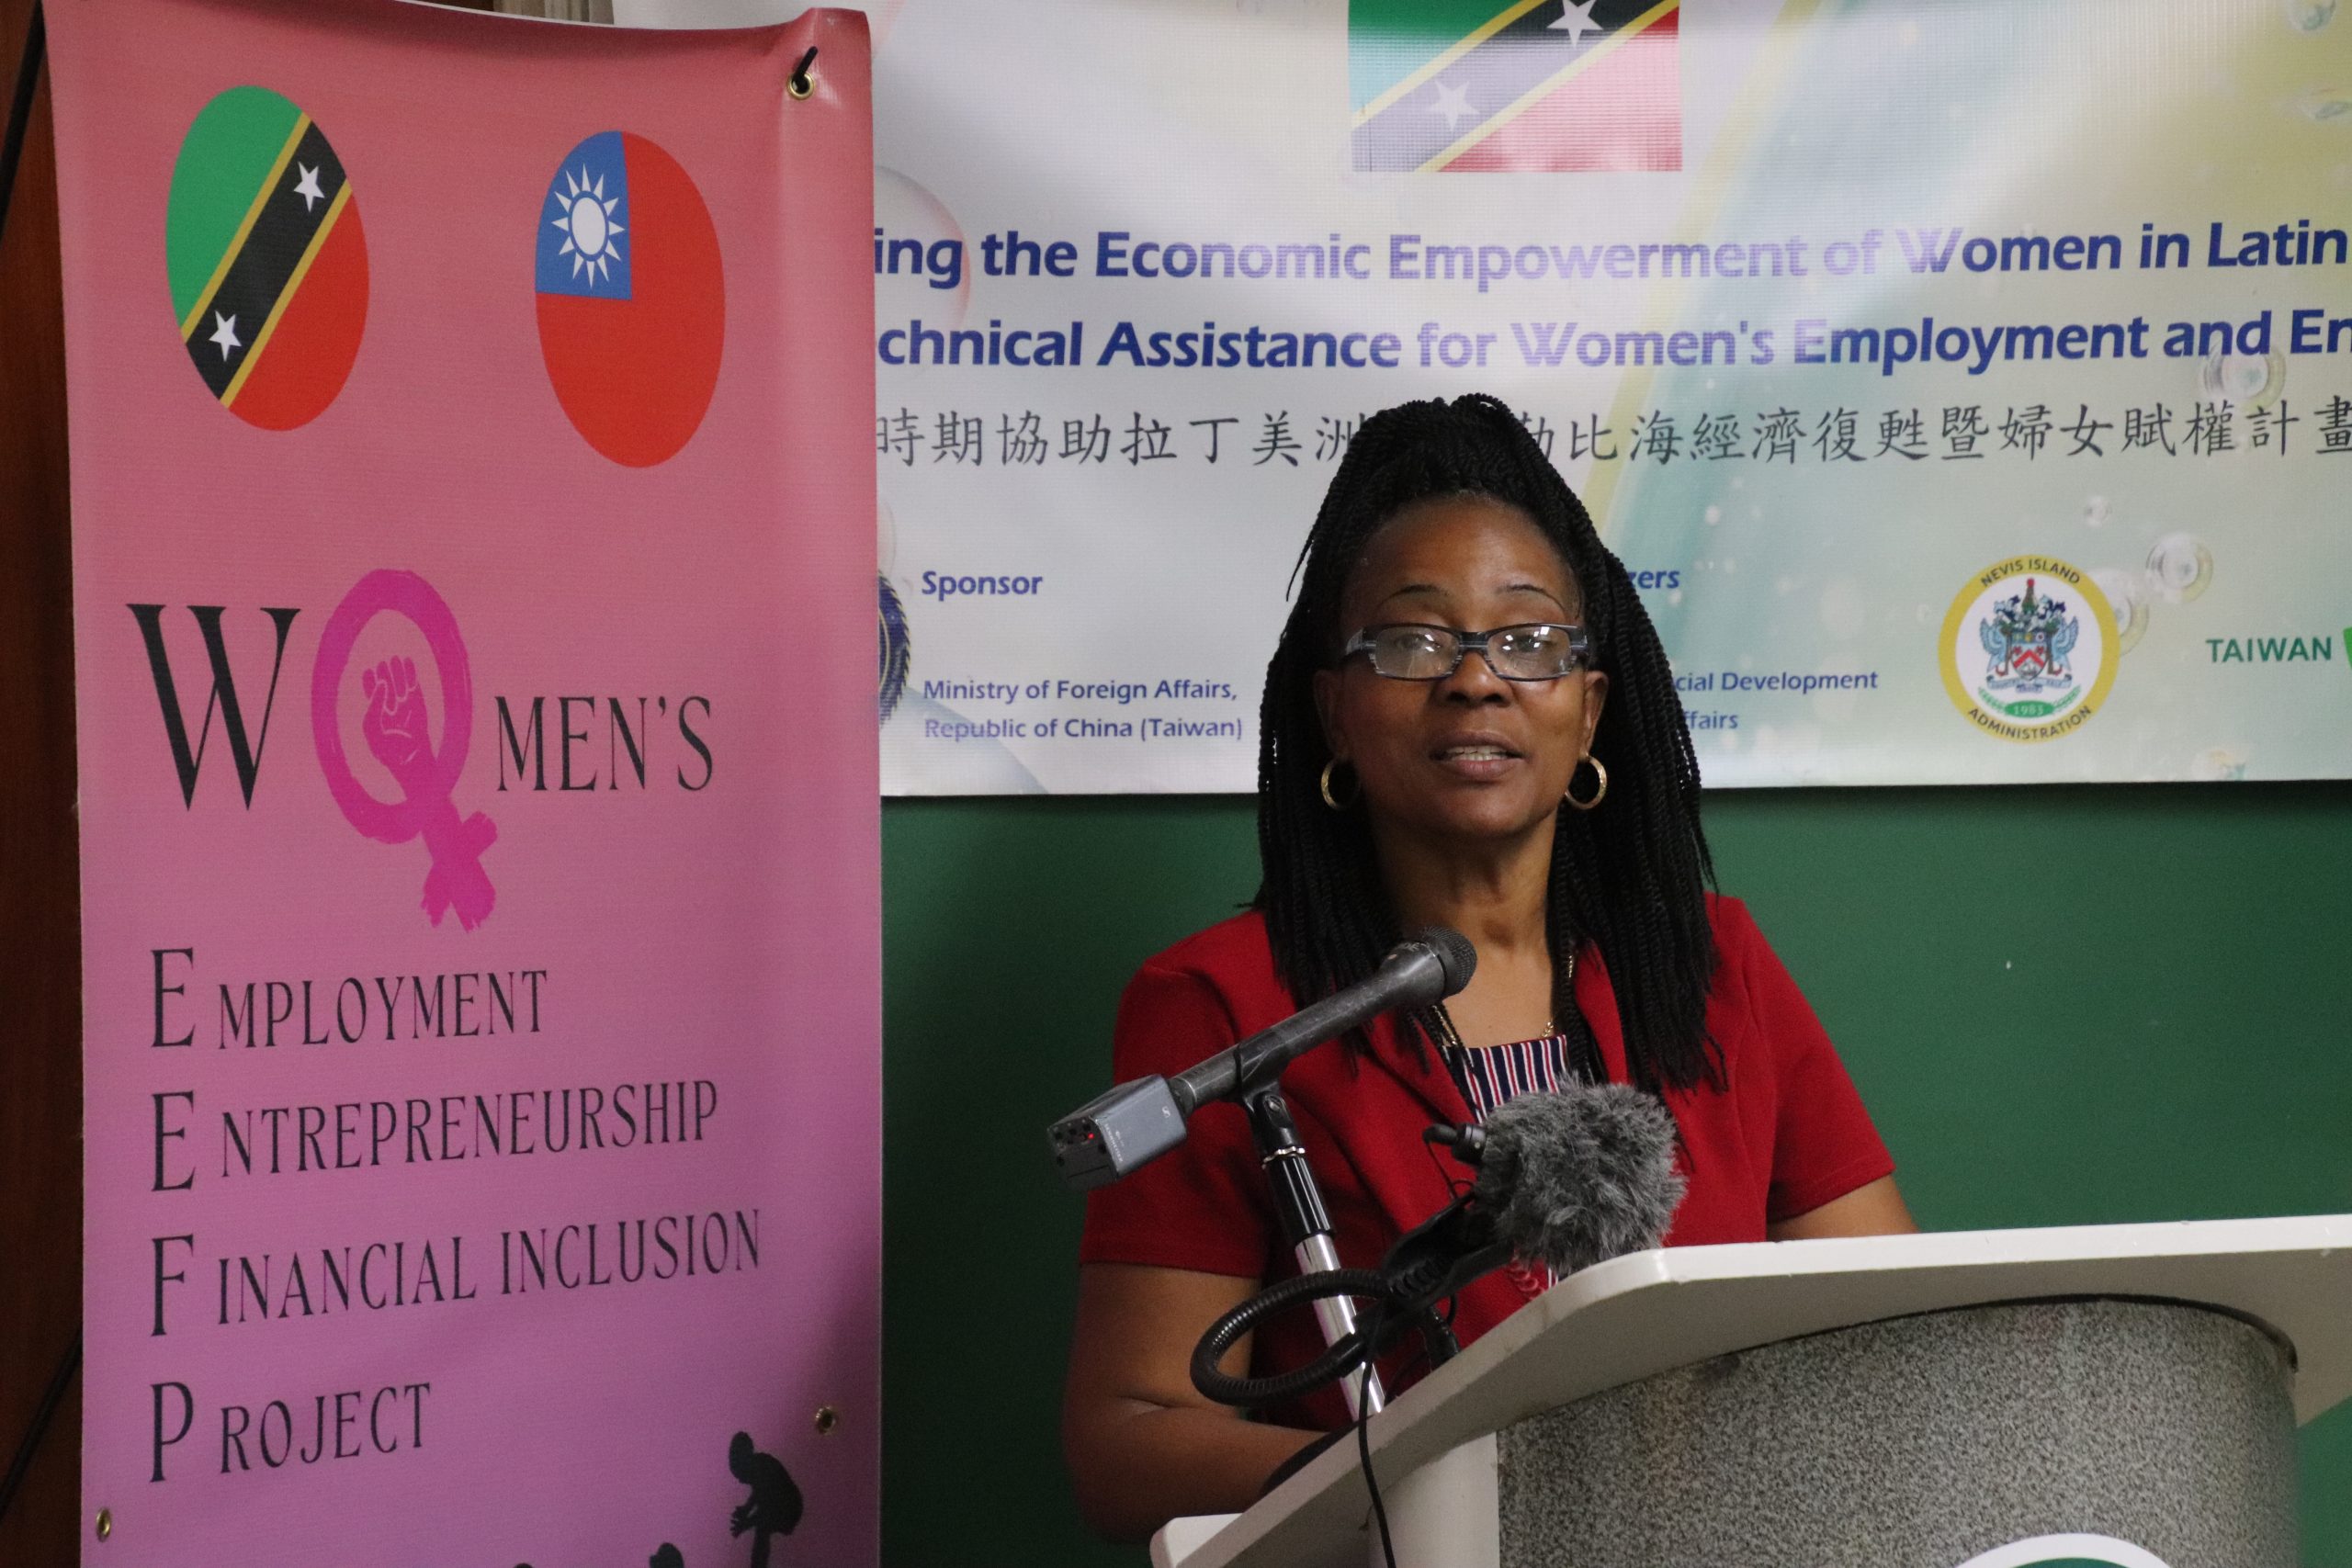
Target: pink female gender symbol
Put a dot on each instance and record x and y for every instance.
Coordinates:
(400, 736)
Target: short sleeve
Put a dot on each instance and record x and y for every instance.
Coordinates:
(1201, 1205)
(1824, 1145)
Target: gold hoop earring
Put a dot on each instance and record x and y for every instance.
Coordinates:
(1325, 785)
(1599, 773)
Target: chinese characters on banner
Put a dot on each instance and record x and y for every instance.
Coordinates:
(1826, 311)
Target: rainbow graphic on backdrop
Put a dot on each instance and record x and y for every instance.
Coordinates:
(1475, 86)
(268, 263)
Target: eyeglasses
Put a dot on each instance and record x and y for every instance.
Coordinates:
(1539, 650)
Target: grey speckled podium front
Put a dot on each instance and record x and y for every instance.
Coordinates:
(1921, 1442)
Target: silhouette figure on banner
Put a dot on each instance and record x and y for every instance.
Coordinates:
(773, 1509)
(774, 1506)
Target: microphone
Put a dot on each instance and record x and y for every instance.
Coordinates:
(1578, 1177)
(1136, 1123)
(1565, 1180)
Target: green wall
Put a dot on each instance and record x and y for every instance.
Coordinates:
(2064, 1006)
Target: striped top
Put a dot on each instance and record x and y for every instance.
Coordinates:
(1489, 1075)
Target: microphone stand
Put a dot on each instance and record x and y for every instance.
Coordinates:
(1299, 1202)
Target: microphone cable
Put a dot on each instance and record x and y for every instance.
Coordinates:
(1363, 1448)
(1387, 1291)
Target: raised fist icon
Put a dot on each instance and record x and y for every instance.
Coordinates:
(398, 731)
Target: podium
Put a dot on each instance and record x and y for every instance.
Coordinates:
(2115, 1393)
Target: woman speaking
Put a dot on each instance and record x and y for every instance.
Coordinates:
(1468, 722)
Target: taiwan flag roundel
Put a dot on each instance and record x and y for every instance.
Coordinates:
(632, 309)
(267, 265)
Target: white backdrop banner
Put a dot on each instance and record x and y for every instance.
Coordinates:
(1968, 383)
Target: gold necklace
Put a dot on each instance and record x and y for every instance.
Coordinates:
(1550, 1025)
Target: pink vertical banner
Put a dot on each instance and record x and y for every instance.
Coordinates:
(473, 587)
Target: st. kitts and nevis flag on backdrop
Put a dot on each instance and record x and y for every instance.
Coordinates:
(1465, 87)
(268, 265)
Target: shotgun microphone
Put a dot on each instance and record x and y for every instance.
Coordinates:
(1565, 1180)
(1135, 1123)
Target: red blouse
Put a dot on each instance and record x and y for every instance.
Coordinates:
(1788, 1134)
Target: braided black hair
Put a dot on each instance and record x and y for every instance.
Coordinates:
(1631, 875)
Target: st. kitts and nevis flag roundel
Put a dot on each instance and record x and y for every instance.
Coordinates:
(1469, 86)
(268, 264)
(632, 310)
